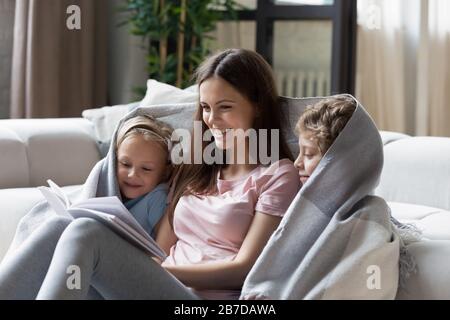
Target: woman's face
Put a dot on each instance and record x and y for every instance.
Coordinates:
(309, 156)
(142, 165)
(224, 108)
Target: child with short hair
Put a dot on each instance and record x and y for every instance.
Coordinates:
(318, 127)
(335, 230)
(143, 166)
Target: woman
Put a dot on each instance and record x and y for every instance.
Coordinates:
(219, 219)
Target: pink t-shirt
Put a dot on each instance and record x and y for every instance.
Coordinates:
(212, 228)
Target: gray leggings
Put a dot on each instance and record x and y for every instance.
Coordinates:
(83, 259)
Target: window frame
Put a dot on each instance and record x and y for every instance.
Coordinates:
(343, 14)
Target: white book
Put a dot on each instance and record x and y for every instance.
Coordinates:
(108, 210)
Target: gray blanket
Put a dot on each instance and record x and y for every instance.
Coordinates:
(336, 240)
(102, 181)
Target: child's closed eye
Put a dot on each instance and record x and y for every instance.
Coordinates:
(205, 107)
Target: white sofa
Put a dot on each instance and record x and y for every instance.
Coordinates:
(415, 182)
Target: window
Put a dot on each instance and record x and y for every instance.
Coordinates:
(311, 44)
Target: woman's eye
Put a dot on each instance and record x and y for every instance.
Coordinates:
(146, 169)
(125, 164)
(205, 108)
(225, 107)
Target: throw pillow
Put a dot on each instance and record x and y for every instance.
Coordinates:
(105, 119)
(163, 93)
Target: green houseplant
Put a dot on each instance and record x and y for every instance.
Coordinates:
(177, 33)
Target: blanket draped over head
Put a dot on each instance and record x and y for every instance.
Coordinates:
(102, 181)
(336, 240)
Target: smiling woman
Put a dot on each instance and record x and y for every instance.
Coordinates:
(225, 109)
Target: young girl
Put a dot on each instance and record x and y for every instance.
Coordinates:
(317, 128)
(143, 166)
(219, 219)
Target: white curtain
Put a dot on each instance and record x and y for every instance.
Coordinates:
(380, 86)
(438, 75)
(403, 72)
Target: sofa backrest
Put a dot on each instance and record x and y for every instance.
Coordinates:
(34, 150)
(417, 171)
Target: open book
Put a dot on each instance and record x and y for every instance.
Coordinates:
(108, 210)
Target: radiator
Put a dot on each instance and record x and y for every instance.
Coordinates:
(303, 83)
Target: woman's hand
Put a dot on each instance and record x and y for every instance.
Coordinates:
(229, 274)
(165, 236)
(157, 260)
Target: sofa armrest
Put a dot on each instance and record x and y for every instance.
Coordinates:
(390, 136)
(14, 205)
(34, 150)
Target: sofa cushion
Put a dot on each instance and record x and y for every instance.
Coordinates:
(430, 282)
(431, 254)
(63, 150)
(389, 136)
(15, 203)
(13, 162)
(417, 171)
(433, 222)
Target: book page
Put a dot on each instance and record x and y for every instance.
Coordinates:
(55, 201)
(109, 210)
(59, 192)
(115, 207)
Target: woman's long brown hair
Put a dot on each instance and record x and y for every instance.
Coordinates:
(252, 76)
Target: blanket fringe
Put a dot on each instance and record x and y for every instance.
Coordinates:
(408, 233)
